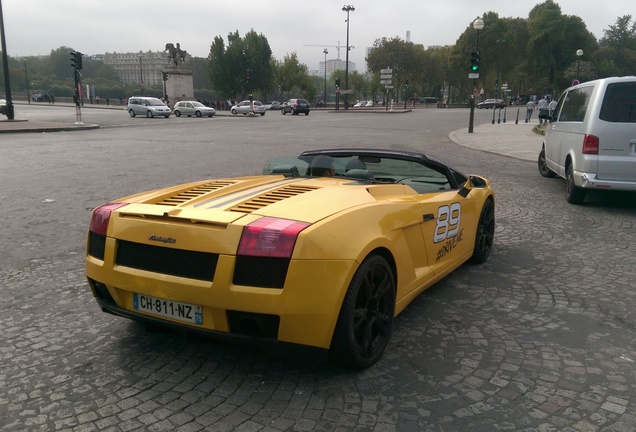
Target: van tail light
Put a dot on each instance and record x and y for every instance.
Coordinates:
(101, 217)
(270, 237)
(590, 145)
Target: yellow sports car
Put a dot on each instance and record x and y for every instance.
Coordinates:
(320, 252)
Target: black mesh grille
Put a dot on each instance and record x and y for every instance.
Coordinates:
(262, 272)
(175, 262)
(96, 245)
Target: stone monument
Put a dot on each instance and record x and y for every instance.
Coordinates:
(179, 84)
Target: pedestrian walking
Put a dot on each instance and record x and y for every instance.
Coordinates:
(552, 106)
(543, 111)
(529, 110)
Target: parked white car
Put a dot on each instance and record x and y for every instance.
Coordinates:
(190, 108)
(591, 138)
(245, 107)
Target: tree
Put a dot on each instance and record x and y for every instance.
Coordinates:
(291, 75)
(617, 55)
(227, 67)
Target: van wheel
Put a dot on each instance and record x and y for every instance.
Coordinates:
(149, 114)
(573, 193)
(132, 113)
(543, 167)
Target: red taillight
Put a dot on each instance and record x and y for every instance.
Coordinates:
(101, 217)
(270, 237)
(590, 145)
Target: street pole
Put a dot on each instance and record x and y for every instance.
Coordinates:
(7, 85)
(347, 8)
(26, 77)
(325, 99)
(141, 76)
(478, 24)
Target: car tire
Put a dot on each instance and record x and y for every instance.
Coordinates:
(149, 114)
(132, 113)
(307, 113)
(283, 112)
(485, 234)
(543, 167)
(234, 112)
(262, 114)
(198, 113)
(177, 113)
(573, 193)
(365, 321)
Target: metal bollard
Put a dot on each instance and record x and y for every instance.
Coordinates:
(505, 110)
(493, 114)
(499, 117)
(517, 119)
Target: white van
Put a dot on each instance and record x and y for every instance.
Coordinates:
(591, 138)
(148, 106)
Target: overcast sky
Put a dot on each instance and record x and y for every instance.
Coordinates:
(35, 27)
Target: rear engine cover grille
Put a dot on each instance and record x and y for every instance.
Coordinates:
(264, 272)
(175, 262)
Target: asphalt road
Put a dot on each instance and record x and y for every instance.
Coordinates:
(539, 338)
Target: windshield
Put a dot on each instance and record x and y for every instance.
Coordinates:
(423, 176)
(198, 104)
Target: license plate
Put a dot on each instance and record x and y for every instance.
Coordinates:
(185, 312)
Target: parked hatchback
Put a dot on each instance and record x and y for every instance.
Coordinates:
(591, 138)
(295, 107)
(190, 108)
(246, 107)
(147, 106)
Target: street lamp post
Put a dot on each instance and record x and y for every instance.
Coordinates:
(347, 9)
(26, 77)
(141, 76)
(325, 98)
(9, 112)
(478, 24)
(579, 53)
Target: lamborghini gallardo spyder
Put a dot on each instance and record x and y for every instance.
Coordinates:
(320, 252)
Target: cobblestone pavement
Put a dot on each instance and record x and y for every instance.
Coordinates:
(539, 338)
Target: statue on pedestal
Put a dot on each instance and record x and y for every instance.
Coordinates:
(176, 55)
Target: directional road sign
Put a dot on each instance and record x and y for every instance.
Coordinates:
(388, 81)
(388, 76)
(386, 71)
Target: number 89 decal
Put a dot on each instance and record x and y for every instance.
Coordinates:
(448, 219)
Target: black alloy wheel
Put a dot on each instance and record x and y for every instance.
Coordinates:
(485, 235)
(366, 317)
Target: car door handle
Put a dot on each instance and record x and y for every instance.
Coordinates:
(429, 217)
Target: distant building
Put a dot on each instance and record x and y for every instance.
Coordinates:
(333, 65)
(135, 68)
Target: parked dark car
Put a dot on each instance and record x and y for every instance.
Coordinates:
(295, 107)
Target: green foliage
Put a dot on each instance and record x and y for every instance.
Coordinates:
(227, 65)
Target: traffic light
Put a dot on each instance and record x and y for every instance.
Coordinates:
(248, 74)
(164, 75)
(497, 84)
(337, 82)
(474, 62)
(406, 83)
(76, 60)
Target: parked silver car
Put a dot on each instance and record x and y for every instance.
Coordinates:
(245, 107)
(148, 106)
(591, 138)
(190, 108)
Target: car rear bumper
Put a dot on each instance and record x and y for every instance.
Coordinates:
(591, 181)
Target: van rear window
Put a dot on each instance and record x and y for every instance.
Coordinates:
(619, 103)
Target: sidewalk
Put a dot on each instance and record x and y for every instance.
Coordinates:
(508, 139)
(518, 141)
